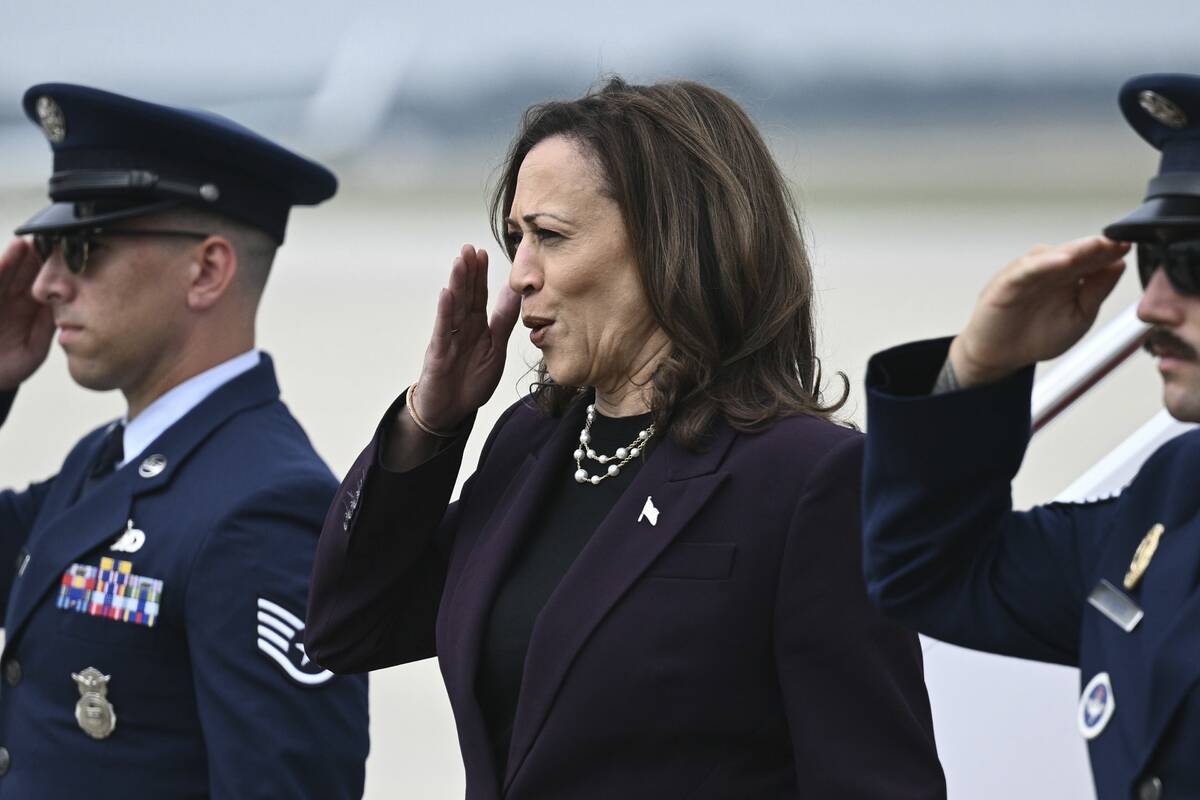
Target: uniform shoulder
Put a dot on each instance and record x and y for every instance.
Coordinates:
(1185, 445)
(264, 451)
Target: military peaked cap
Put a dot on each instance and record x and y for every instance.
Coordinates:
(1165, 111)
(116, 157)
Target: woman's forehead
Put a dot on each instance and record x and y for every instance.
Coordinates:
(557, 174)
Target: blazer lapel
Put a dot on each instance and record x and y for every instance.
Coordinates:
(77, 528)
(621, 549)
(494, 549)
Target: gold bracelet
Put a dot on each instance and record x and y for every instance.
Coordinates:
(412, 412)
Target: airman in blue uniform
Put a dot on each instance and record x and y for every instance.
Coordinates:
(1108, 586)
(154, 604)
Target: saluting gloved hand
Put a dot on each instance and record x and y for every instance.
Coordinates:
(26, 326)
(1036, 308)
(463, 363)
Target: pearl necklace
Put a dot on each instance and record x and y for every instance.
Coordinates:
(622, 457)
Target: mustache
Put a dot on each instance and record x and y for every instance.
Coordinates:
(1163, 342)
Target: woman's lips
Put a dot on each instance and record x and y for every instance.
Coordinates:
(538, 335)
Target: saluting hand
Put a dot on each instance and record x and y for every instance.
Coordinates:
(1036, 308)
(26, 326)
(465, 357)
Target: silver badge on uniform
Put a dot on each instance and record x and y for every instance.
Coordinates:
(51, 118)
(1162, 109)
(130, 541)
(1096, 705)
(93, 712)
(152, 465)
(1116, 605)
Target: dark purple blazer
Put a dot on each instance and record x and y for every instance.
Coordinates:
(727, 651)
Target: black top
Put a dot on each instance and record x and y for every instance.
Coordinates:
(572, 512)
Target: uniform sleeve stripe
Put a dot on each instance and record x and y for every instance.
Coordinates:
(281, 612)
(267, 619)
(274, 637)
(291, 669)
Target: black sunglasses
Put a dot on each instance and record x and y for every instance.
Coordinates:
(77, 244)
(1179, 260)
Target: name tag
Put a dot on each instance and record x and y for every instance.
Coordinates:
(1116, 605)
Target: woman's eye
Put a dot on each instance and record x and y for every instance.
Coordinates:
(512, 238)
(544, 235)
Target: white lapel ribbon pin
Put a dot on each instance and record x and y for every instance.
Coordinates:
(649, 512)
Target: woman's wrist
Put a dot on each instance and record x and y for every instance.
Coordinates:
(419, 420)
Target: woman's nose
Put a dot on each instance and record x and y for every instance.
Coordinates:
(526, 275)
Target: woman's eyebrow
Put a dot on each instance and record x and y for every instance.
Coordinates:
(532, 218)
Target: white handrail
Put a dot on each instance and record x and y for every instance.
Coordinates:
(1113, 473)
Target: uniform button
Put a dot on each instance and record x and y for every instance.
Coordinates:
(12, 672)
(1150, 789)
(5, 760)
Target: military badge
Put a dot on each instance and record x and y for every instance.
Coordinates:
(111, 591)
(1162, 109)
(130, 541)
(281, 639)
(93, 712)
(1096, 706)
(1142, 556)
(152, 465)
(52, 119)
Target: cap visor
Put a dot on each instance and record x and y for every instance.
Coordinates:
(65, 216)
(1157, 218)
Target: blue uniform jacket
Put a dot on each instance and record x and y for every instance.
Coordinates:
(946, 553)
(216, 698)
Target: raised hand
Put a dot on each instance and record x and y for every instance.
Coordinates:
(1036, 308)
(26, 326)
(465, 356)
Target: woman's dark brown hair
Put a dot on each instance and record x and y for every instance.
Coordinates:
(717, 240)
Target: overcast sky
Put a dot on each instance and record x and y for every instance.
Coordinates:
(221, 48)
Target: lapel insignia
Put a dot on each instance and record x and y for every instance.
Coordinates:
(1096, 706)
(93, 712)
(22, 561)
(649, 512)
(152, 465)
(111, 591)
(1143, 554)
(130, 541)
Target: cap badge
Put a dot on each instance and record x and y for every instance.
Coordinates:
(93, 712)
(51, 118)
(152, 466)
(1162, 109)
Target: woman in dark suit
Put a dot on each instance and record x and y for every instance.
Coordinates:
(651, 586)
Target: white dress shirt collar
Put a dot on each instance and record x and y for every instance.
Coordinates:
(172, 406)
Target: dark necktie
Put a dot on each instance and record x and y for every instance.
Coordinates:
(112, 451)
